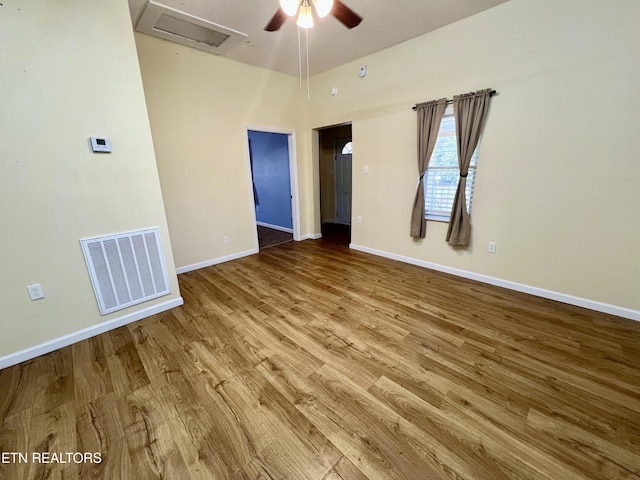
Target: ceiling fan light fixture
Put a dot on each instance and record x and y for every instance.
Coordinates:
(290, 7)
(305, 18)
(305, 10)
(323, 7)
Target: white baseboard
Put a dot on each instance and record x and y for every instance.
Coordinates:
(311, 236)
(215, 261)
(275, 227)
(519, 287)
(66, 340)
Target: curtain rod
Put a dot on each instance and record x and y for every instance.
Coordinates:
(491, 94)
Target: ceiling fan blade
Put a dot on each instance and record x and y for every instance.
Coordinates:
(276, 21)
(345, 15)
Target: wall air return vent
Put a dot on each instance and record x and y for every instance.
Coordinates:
(126, 269)
(165, 22)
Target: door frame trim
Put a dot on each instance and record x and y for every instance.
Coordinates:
(293, 176)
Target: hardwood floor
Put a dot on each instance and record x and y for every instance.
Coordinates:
(311, 361)
(268, 237)
(336, 233)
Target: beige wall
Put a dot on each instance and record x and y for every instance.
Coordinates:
(199, 105)
(557, 182)
(66, 74)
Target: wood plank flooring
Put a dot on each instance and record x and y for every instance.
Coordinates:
(268, 237)
(311, 361)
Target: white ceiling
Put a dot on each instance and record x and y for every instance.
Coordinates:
(386, 23)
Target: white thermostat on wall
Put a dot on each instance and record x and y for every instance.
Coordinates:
(101, 144)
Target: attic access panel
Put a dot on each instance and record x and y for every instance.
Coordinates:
(169, 24)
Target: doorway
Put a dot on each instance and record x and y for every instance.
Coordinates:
(335, 158)
(273, 184)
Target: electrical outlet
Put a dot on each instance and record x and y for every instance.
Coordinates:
(366, 169)
(492, 247)
(35, 291)
(225, 239)
(359, 219)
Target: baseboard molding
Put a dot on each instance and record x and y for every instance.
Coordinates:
(311, 236)
(519, 287)
(215, 261)
(70, 339)
(275, 227)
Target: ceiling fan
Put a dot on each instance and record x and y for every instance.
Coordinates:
(289, 8)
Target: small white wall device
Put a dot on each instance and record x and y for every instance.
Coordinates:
(101, 144)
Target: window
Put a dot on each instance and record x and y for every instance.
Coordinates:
(441, 178)
(347, 149)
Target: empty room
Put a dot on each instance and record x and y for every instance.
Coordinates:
(320, 240)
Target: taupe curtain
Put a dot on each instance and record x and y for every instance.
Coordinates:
(429, 117)
(470, 111)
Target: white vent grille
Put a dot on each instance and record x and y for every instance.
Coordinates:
(190, 31)
(179, 27)
(126, 269)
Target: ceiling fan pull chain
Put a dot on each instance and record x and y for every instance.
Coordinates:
(308, 87)
(299, 59)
